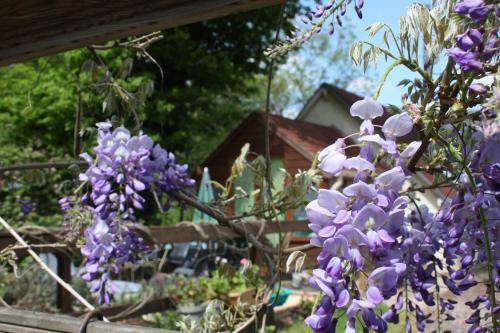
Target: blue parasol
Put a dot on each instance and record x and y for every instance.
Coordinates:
(205, 194)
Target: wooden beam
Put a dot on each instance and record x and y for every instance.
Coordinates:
(34, 28)
(37, 322)
(64, 298)
(208, 231)
(181, 233)
(8, 328)
(152, 306)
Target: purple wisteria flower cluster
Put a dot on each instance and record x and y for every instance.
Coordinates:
(124, 167)
(314, 20)
(364, 230)
(477, 45)
(465, 245)
(315, 17)
(359, 226)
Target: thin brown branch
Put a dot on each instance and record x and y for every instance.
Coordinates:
(42, 165)
(446, 95)
(236, 227)
(4, 303)
(140, 42)
(44, 267)
(35, 246)
(78, 117)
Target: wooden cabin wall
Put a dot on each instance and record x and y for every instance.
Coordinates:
(293, 161)
(220, 165)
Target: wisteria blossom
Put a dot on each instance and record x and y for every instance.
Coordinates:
(124, 167)
(370, 229)
(366, 217)
(477, 45)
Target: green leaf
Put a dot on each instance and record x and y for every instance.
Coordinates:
(355, 53)
(296, 257)
(385, 37)
(125, 69)
(372, 29)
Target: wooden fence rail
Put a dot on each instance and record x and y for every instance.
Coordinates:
(184, 232)
(22, 321)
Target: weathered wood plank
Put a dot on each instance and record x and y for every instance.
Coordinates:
(64, 298)
(64, 324)
(201, 232)
(155, 305)
(33, 28)
(8, 328)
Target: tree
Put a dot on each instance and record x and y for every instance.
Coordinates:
(324, 59)
(208, 67)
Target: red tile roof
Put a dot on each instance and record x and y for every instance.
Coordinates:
(305, 137)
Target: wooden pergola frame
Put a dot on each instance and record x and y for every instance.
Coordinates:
(184, 232)
(35, 28)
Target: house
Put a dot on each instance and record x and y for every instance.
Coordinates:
(294, 145)
(329, 106)
(295, 142)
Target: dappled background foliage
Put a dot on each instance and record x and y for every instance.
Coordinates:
(208, 85)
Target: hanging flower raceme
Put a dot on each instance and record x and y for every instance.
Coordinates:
(123, 168)
(363, 229)
(360, 223)
(331, 10)
(462, 218)
(476, 46)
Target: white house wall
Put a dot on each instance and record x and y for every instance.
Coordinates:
(326, 111)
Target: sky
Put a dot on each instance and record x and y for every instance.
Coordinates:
(387, 11)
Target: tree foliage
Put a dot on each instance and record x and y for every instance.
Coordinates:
(208, 70)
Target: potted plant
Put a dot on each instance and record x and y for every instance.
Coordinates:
(190, 295)
(230, 285)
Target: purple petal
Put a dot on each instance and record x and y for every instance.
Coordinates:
(369, 217)
(353, 235)
(392, 179)
(478, 88)
(357, 258)
(325, 289)
(358, 163)
(138, 185)
(337, 246)
(332, 163)
(342, 217)
(121, 134)
(360, 190)
(375, 138)
(373, 240)
(367, 108)
(332, 200)
(338, 146)
(382, 233)
(366, 127)
(317, 214)
(328, 231)
(410, 150)
(397, 125)
(342, 298)
(374, 295)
